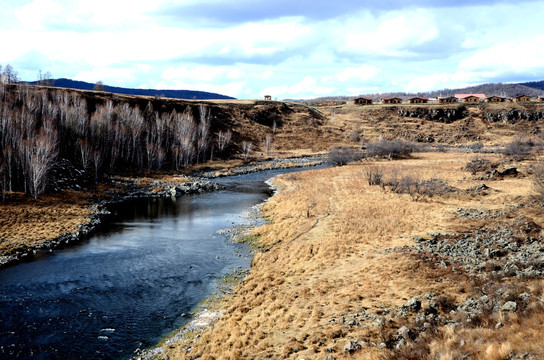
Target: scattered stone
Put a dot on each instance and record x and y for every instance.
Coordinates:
(413, 304)
(351, 346)
(405, 333)
(509, 306)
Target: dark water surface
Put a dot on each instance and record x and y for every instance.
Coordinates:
(126, 288)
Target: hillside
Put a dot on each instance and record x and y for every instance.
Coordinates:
(535, 84)
(176, 94)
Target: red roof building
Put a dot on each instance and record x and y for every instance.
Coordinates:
(470, 98)
(362, 101)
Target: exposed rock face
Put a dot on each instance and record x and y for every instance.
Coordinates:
(440, 114)
(512, 115)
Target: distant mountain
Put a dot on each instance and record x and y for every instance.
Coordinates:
(535, 84)
(177, 94)
(533, 89)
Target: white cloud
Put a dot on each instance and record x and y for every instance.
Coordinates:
(362, 73)
(307, 87)
(522, 55)
(393, 34)
(133, 43)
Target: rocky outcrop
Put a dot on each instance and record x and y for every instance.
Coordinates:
(514, 249)
(512, 115)
(440, 114)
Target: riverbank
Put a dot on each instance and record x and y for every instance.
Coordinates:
(348, 269)
(28, 228)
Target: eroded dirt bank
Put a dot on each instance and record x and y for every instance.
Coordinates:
(351, 270)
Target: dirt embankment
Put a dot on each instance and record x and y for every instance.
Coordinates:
(352, 270)
(491, 124)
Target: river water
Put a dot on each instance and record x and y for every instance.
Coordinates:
(128, 286)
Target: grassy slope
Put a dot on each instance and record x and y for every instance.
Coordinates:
(318, 271)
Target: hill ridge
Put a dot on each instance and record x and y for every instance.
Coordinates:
(176, 94)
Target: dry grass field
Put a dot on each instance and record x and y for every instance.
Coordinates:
(25, 223)
(339, 274)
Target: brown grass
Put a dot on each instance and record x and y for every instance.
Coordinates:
(316, 273)
(24, 222)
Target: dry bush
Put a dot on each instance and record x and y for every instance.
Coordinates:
(480, 165)
(520, 146)
(374, 175)
(341, 155)
(402, 183)
(477, 146)
(538, 181)
(390, 148)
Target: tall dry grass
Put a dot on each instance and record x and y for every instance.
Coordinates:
(327, 255)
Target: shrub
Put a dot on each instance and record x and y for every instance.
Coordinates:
(341, 155)
(374, 176)
(391, 148)
(479, 165)
(538, 181)
(475, 147)
(433, 187)
(519, 147)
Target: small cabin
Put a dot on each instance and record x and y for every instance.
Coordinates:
(495, 99)
(521, 99)
(447, 100)
(362, 101)
(470, 98)
(418, 100)
(393, 100)
(540, 99)
(268, 97)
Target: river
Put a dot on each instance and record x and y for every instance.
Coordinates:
(128, 286)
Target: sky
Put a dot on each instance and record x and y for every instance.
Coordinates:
(283, 48)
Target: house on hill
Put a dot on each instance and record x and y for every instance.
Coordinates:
(418, 100)
(540, 99)
(393, 100)
(447, 100)
(268, 97)
(521, 99)
(362, 101)
(495, 99)
(470, 98)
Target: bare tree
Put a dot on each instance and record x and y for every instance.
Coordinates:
(3, 179)
(8, 158)
(267, 143)
(203, 132)
(45, 79)
(97, 159)
(246, 149)
(223, 139)
(10, 75)
(85, 151)
(99, 86)
(40, 160)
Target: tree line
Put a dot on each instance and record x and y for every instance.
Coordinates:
(39, 126)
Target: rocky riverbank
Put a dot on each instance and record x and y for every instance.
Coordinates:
(258, 166)
(125, 188)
